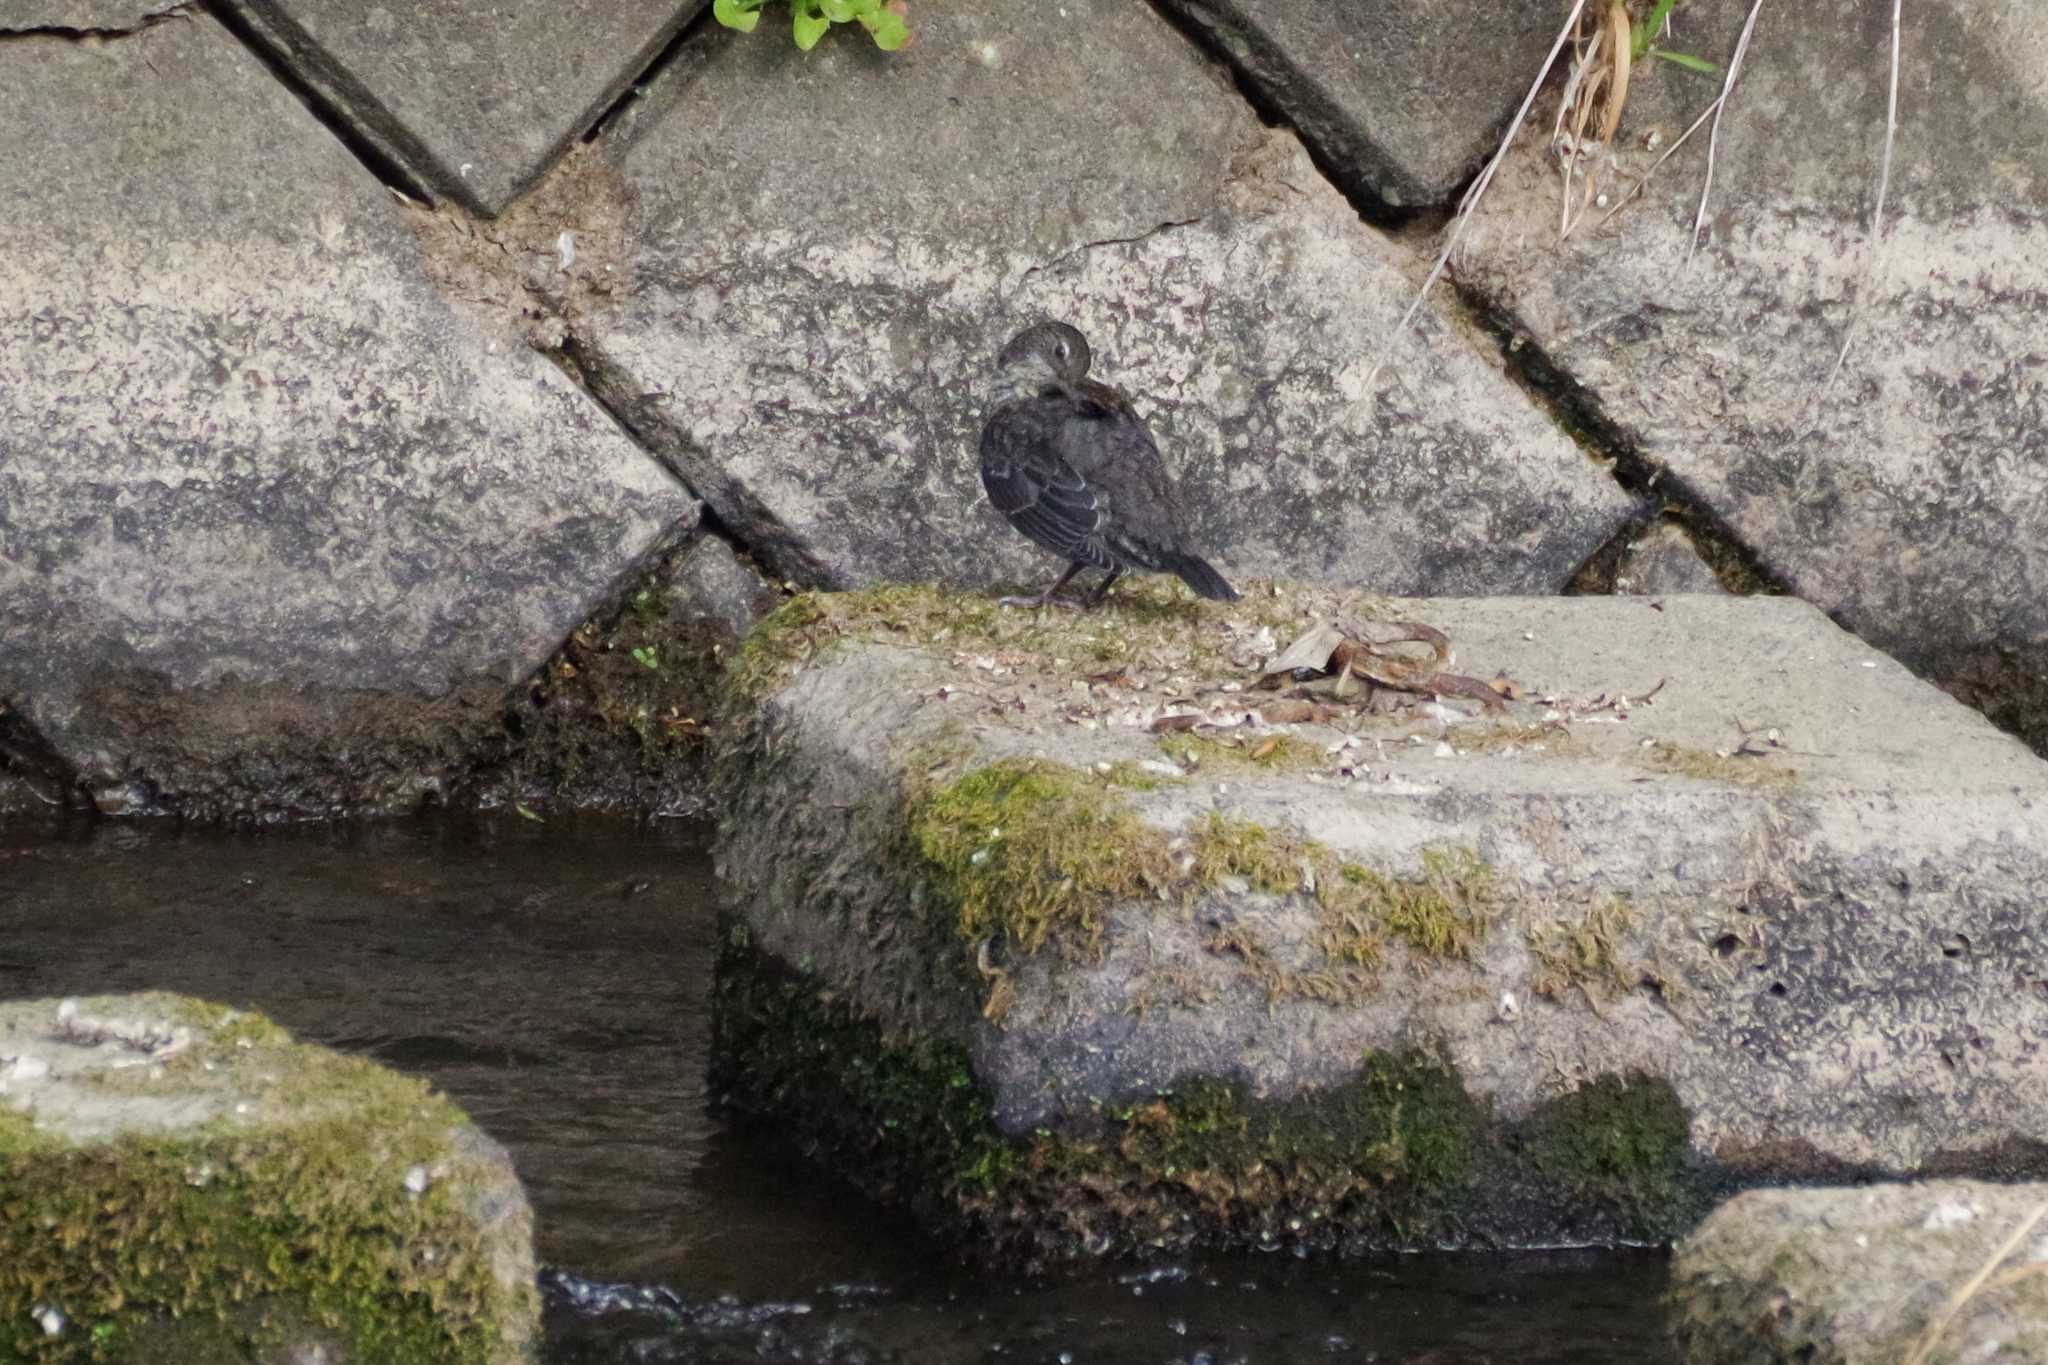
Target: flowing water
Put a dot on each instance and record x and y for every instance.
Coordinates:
(554, 980)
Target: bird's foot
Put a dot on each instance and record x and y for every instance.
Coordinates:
(1038, 600)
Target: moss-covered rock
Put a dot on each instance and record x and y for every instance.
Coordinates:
(1077, 944)
(182, 1182)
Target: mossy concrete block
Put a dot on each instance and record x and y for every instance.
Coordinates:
(280, 525)
(1866, 1276)
(1402, 103)
(184, 1182)
(1902, 494)
(1724, 896)
(813, 329)
(474, 99)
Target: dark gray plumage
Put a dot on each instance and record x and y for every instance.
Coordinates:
(1069, 463)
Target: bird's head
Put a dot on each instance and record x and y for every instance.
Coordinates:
(1048, 356)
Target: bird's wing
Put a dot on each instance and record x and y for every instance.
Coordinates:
(1117, 455)
(1040, 493)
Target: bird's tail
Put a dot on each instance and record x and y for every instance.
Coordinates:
(1197, 574)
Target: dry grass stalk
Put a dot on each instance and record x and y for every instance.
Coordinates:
(1470, 203)
(1968, 1289)
(1884, 182)
(1599, 81)
(1714, 135)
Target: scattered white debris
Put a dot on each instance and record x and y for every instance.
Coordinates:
(1870, 663)
(27, 1067)
(1510, 1008)
(565, 248)
(417, 1179)
(1161, 767)
(1949, 1214)
(49, 1318)
(1444, 750)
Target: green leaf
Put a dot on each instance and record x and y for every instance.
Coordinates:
(838, 11)
(739, 14)
(889, 31)
(1647, 31)
(1688, 61)
(809, 25)
(526, 814)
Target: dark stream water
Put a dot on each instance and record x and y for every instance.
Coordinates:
(554, 980)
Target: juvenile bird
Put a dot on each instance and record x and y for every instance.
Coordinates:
(1068, 462)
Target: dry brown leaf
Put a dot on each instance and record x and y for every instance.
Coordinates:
(1618, 45)
(1311, 649)
(1173, 725)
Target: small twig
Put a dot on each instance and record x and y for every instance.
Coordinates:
(1884, 181)
(1472, 196)
(1968, 1289)
(1714, 135)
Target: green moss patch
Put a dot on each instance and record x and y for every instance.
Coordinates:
(1397, 1155)
(1622, 1142)
(232, 1233)
(1155, 619)
(1035, 852)
(1025, 848)
(1586, 955)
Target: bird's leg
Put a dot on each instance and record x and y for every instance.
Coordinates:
(1050, 597)
(1101, 589)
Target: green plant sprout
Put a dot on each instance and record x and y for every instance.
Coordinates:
(883, 19)
(1643, 44)
(647, 657)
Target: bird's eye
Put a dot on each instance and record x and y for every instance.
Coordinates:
(1061, 347)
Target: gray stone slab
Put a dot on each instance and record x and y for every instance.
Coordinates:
(475, 99)
(225, 1192)
(1907, 497)
(1722, 852)
(814, 319)
(82, 18)
(1862, 1277)
(1402, 102)
(269, 505)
